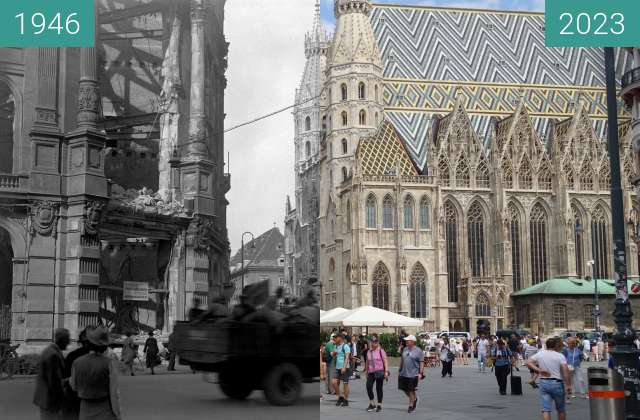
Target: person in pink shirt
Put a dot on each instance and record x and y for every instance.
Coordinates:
(377, 369)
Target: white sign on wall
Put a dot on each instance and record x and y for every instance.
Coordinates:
(135, 290)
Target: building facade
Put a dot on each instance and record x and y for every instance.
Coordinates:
(264, 260)
(112, 174)
(301, 223)
(462, 161)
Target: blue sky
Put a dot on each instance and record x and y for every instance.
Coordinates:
(326, 9)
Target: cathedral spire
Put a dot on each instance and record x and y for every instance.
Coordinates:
(315, 42)
(354, 41)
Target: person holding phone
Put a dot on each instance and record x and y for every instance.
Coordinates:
(377, 370)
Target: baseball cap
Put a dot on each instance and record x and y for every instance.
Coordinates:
(410, 338)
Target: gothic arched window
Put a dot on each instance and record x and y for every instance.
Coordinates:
(544, 176)
(516, 246)
(332, 266)
(538, 242)
(376, 92)
(507, 175)
(424, 213)
(377, 119)
(380, 287)
(7, 128)
(604, 178)
(586, 177)
(348, 216)
(482, 175)
(307, 149)
(343, 91)
(372, 213)
(361, 91)
(362, 118)
(307, 124)
(500, 306)
(345, 147)
(578, 238)
(345, 118)
(483, 307)
(418, 292)
(571, 180)
(443, 171)
(475, 228)
(345, 174)
(451, 239)
(525, 179)
(408, 212)
(324, 122)
(462, 173)
(600, 243)
(387, 212)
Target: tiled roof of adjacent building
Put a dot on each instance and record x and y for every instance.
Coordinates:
(265, 250)
(492, 60)
(383, 153)
(567, 286)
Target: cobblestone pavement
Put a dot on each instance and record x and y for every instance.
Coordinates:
(468, 395)
(167, 395)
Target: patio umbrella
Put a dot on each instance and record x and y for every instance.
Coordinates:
(368, 316)
(330, 314)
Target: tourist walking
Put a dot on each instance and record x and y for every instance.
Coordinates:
(503, 360)
(411, 370)
(530, 349)
(574, 359)
(94, 377)
(71, 408)
(323, 368)
(447, 356)
(49, 393)
(151, 351)
(330, 362)
(555, 378)
(586, 348)
(376, 368)
(129, 353)
(482, 346)
(342, 354)
(171, 347)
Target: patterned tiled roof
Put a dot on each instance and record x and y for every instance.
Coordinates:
(383, 152)
(491, 60)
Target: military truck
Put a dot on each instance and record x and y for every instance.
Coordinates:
(276, 356)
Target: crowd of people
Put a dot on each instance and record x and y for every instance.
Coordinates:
(554, 365)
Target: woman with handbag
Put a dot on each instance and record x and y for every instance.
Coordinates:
(376, 367)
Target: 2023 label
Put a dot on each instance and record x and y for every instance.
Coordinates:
(591, 23)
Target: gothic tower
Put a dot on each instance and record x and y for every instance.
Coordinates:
(301, 223)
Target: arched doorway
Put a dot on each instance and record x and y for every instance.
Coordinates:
(6, 284)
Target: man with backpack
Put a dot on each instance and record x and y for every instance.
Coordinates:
(330, 361)
(342, 355)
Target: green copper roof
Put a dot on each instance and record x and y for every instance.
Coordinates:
(569, 286)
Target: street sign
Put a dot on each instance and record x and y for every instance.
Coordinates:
(135, 290)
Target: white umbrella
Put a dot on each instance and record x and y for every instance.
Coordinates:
(330, 314)
(368, 316)
(322, 312)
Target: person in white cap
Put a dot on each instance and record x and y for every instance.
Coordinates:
(411, 370)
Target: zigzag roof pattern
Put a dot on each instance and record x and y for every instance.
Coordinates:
(384, 152)
(492, 59)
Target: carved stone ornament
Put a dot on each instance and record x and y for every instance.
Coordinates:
(44, 217)
(92, 217)
(200, 233)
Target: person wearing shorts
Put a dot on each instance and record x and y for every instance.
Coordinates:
(555, 378)
(342, 355)
(411, 369)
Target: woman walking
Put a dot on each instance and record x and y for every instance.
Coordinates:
(94, 377)
(376, 367)
(503, 360)
(574, 359)
(447, 356)
(151, 352)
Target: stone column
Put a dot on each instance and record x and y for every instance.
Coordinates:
(88, 96)
(198, 127)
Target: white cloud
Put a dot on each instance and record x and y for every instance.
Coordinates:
(266, 61)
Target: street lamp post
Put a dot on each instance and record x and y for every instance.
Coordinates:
(624, 355)
(596, 296)
(242, 257)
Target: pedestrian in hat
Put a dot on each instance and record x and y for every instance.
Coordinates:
(49, 394)
(377, 369)
(71, 409)
(342, 354)
(94, 377)
(151, 351)
(411, 370)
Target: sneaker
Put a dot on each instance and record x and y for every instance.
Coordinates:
(411, 409)
(378, 409)
(339, 402)
(345, 403)
(371, 408)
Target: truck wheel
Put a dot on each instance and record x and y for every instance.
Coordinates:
(282, 384)
(233, 386)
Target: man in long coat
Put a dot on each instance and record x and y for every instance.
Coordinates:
(49, 394)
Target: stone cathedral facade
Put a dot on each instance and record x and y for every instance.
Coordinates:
(460, 161)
